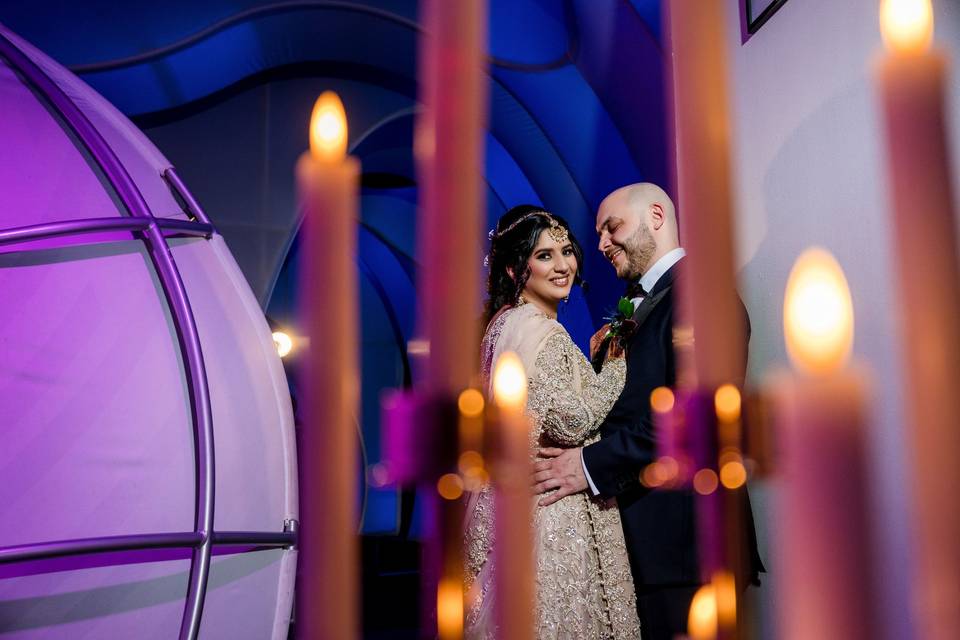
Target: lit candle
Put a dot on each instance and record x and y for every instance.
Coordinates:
(911, 80)
(449, 151)
(450, 609)
(513, 547)
(823, 550)
(698, 42)
(327, 179)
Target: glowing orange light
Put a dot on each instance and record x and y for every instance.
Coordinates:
(450, 609)
(702, 621)
(662, 400)
(328, 128)
(469, 460)
(906, 25)
(470, 403)
(705, 481)
(727, 403)
(818, 313)
(725, 591)
(450, 486)
(733, 474)
(653, 475)
(670, 468)
(509, 382)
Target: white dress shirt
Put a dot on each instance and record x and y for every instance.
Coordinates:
(648, 281)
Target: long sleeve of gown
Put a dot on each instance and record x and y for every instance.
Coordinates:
(568, 416)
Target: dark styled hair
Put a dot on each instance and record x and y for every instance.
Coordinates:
(511, 245)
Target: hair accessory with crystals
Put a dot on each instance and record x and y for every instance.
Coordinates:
(557, 231)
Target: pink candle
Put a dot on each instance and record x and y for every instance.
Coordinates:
(449, 150)
(698, 41)
(514, 555)
(822, 554)
(327, 179)
(911, 82)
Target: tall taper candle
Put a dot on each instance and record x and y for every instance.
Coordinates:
(823, 555)
(327, 179)
(911, 81)
(514, 600)
(449, 150)
(698, 43)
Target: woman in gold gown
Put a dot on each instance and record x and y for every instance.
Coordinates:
(584, 589)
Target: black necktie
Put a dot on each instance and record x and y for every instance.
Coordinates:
(636, 290)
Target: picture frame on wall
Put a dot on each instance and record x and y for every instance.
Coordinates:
(755, 13)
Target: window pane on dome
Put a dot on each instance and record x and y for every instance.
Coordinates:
(95, 600)
(44, 177)
(249, 595)
(141, 159)
(252, 418)
(96, 422)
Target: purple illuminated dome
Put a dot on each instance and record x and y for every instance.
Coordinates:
(147, 463)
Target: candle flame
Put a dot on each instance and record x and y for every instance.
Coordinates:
(726, 401)
(725, 592)
(449, 609)
(662, 400)
(818, 313)
(906, 25)
(328, 128)
(702, 621)
(509, 382)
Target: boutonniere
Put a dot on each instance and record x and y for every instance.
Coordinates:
(621, 323)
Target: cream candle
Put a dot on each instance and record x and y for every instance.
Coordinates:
(823, 548)
(513, 550)
(698, 44)
(911, 80)
(327, 180)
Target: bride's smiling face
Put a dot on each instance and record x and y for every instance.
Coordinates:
(553, 268)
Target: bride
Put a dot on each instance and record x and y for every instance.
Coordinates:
(583, 583)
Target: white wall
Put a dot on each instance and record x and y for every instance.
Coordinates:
(810, 170)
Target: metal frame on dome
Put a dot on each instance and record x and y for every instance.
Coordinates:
(153, 232)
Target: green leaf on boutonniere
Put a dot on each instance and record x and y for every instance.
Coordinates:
(625, 307)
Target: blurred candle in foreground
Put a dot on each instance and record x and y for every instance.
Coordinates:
(823, 552)
(450, 609)
(911, 79)
(327, 179)
(513, 547)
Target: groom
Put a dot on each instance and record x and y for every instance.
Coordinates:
(638, 235)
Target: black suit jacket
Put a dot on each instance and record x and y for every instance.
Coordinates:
(658, 525)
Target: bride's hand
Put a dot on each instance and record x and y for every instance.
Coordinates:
(597, 339)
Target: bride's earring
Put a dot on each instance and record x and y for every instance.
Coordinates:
(566, 298)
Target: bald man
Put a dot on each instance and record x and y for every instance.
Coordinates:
(637, 226)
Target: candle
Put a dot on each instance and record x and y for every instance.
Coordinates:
(513, 549)
(449, 152)
(327, 179)
(823, 549)
(911, 79)
(698, 41)
(450, 609)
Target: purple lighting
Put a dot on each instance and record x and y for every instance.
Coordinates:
(95, 461)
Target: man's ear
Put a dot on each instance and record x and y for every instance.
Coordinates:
(657, 217)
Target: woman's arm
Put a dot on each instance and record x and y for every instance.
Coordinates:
(568, 416)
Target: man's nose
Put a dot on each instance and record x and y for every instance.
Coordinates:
(604, 243)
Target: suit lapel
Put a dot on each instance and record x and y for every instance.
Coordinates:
(659, 292)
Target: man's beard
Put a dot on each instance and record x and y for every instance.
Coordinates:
(639, 249)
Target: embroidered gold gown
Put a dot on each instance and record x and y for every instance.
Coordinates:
(584, 589)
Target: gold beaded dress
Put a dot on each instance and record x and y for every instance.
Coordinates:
(584, 589)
